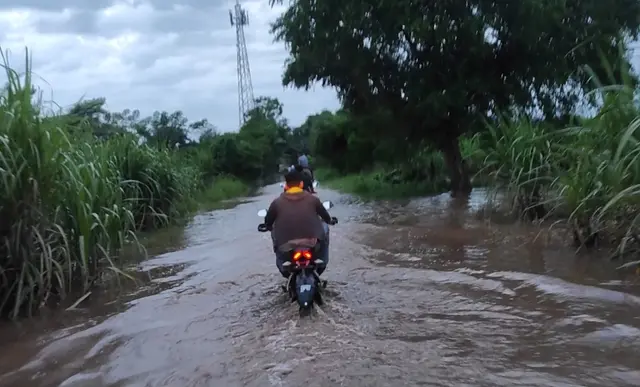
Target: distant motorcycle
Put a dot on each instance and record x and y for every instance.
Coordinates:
(304, 284)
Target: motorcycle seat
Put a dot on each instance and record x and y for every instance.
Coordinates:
(304, 243)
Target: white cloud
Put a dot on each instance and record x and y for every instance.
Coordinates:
(152, 55)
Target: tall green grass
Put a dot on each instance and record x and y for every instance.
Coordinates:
(68, 204)
(222, 188)
(379, 184)
(588, 174)
(158, 184)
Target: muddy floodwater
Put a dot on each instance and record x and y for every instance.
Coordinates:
(421, 293)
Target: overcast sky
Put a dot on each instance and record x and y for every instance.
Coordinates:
(152, 55)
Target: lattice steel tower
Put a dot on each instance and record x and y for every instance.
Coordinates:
(239, 18)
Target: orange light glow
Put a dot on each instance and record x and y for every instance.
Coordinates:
(300, 254)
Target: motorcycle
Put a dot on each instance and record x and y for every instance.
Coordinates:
(304, 284)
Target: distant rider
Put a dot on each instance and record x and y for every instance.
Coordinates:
(296, 214)
(303, 161)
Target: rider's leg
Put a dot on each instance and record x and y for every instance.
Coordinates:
(325, 227)
(273, 241)
(323, 250)
(281, 258)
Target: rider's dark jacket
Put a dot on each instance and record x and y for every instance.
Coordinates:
(295, 216)
(308, 183)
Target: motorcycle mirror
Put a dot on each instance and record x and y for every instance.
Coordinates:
(327, 204)
(262, 213)
(315, 184)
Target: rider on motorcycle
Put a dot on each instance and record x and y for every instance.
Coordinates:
(306, 179)
(296, 214)
(303, 161)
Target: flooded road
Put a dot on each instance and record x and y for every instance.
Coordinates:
(422, 293)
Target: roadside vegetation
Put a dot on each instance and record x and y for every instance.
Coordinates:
(442, 97)
(78, 185)
(534, 98)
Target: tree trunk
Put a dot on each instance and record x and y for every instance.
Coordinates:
(458, 169)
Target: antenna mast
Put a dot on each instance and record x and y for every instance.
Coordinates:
(239, 19)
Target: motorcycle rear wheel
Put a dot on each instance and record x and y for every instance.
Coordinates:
(305, 311)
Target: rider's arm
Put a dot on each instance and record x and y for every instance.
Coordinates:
(322, 212)
(272, 213)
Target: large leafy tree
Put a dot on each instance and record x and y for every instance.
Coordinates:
(93, 115)
(254, 151)
(265, 135)
(437, 66)
(165, 129)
